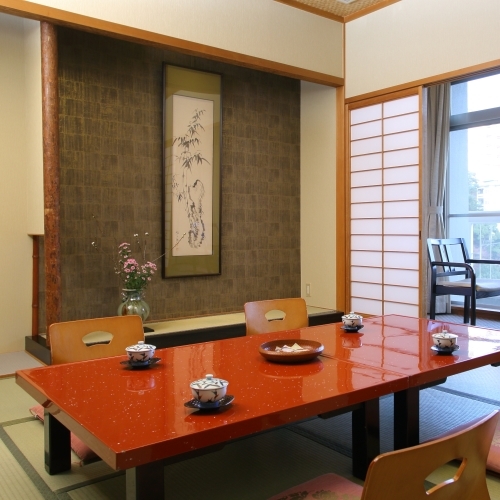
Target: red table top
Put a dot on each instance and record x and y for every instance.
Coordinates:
(132, 417)
(403, 345)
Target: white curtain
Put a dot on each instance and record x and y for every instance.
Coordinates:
(436, 157)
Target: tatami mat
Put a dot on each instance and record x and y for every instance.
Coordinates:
(15, 483)
(252, 469)
(28, 437)
(438, 412)
(15, 401)
(482, 384)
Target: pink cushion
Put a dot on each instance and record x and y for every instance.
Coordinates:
(325, 486)
(493, 461)
(82, 451)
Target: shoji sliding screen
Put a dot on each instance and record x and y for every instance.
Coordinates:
(384, 193)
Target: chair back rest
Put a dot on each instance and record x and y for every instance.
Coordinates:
(447, 250)
(67, 338)
(266, 316)
(402, 473)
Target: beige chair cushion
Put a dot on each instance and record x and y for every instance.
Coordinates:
(482, 285)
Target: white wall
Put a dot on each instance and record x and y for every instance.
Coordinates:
(33, 127)
(416, 39)
(15, 142)
(259, 28)
(317, 193)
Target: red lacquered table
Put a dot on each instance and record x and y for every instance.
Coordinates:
(136, 419)
(403, 345)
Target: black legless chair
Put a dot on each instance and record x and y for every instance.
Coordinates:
(449, 259)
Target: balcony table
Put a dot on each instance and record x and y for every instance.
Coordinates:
(136, 419)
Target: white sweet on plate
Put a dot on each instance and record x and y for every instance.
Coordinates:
(294, 348)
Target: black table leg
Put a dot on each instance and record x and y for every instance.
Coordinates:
(406, 418)
(365, 436)
(146, 482)
(57, 445)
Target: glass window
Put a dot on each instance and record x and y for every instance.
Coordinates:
(474, 174)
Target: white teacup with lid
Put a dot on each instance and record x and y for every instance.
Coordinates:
(445, 339)
(352, 320)
(140, 353)
(209, 389)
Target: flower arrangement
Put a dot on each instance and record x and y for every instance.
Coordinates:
(134, 276)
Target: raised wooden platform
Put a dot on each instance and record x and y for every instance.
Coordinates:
(184, 331)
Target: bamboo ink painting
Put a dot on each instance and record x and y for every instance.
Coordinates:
(192, 135)
(192, 176)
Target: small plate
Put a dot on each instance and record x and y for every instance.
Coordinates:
(352, 328)
(445, 350)
(268, 350)
(152, 361)
(225, 401)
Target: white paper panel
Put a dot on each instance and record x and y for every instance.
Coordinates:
(366, 243)
(401, 106)
(401, 226)
(401, 309)
(371, 259)
(366, 210)
(366, 306)
(401, 123)
(397, 265)
(401, 157)
(364, 130)
(366, 162)
(366, 178)
(366, 274)
(366, 226)
(401, 277)
(400, 175)
(366, 290)
(401, 294)
(366, 114)
(401, 141)
(366, 146)
(401, 209)
(366, 194)
(395, 192)
(401, 244)
(401, 260)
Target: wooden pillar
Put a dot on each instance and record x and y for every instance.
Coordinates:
(51, 173)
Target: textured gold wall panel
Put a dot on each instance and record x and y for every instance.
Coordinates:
(111, 166)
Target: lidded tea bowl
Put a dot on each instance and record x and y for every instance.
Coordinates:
(140, 353)
(209, 389)
(352, 320)
(445, 339)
